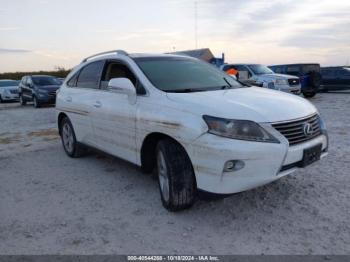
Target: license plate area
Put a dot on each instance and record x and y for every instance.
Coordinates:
(311, 155)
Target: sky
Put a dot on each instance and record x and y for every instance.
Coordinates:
(45, 34)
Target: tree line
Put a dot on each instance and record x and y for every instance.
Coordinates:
(60, 72)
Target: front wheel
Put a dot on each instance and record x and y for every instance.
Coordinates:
(36, 103)
(176, 178)
(309, 94)
(22, 101)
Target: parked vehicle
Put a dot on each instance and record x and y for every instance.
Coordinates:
(8, 90)
(309, 74)
(335, 78)
(260, 75)
(198, 127)
(40, 89)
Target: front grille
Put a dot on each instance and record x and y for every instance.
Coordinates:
(52, 93)
(293, 81)
(294, 130)
(14, 91)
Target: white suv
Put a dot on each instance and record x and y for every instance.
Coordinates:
(198, 127)
(260, 75)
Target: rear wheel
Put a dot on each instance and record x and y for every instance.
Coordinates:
(176, 178)
(0, 99)
(69, 141)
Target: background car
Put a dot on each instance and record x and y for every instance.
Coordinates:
(260, 75)
(335, 78)
(309, 75)
(40, 89)
(8, 90)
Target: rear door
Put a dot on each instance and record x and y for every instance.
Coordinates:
(26, 88)
(79, 100)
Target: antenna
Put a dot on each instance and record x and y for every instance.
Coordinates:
(196, 24)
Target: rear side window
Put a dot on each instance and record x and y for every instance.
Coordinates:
(90, 75)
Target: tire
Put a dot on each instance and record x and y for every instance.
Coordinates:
(1, 99)
(36, 103)
(69, 141)
(309, 94)
(22, 101)
(177, 184)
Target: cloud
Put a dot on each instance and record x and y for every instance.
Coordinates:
(9, 28)
(11, 50)
(330, 36)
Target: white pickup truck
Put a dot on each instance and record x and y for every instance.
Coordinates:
(260, 75)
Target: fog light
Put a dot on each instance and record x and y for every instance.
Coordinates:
(233, 165)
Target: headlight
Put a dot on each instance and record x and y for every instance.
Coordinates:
(281, 82)
(238, 129)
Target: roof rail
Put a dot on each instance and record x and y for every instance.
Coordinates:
(121, 52)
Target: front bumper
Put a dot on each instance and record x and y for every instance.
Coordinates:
(296, 89)
(263, 162)
(10, 97)
(46, 99)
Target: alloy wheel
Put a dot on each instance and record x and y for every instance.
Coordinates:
(163, 176)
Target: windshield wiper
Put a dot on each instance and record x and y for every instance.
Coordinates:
(184, 90)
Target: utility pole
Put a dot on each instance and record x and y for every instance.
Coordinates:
(196, 24)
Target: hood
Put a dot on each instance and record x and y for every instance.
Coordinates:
(253, 103)
(279, 76)
(49, 88)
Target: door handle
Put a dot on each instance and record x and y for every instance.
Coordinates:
(68, 99)
(97, 104)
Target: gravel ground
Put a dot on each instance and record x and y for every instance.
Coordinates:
(52, 204)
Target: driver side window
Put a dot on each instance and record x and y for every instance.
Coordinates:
(117, 69)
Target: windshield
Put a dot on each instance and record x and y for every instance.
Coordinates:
(260, 69)
(9, 83)
(177, 74)
(45, 80)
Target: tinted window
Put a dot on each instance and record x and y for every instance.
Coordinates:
(73, 81)
(310, 68)
(173, 74)
(90, 75)
(293, 70)
(9, 83)
(45, 80)
(260, 69)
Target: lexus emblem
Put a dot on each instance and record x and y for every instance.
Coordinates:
(308, 129)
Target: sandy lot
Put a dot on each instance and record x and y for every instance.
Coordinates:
(52, 204)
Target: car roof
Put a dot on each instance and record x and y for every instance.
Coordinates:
(8, 80)
(297, 64)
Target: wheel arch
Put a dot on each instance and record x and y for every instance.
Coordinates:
(60, 117)
(148, 150)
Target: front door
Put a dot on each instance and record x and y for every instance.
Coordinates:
(114, 117)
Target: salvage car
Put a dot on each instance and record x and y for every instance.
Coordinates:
(8, 90)
(40, 89)
(335, 78)
(309, 74)
(260, 75)
(196, 126)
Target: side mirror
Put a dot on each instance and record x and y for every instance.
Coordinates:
(123, 86)
(234, 77)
